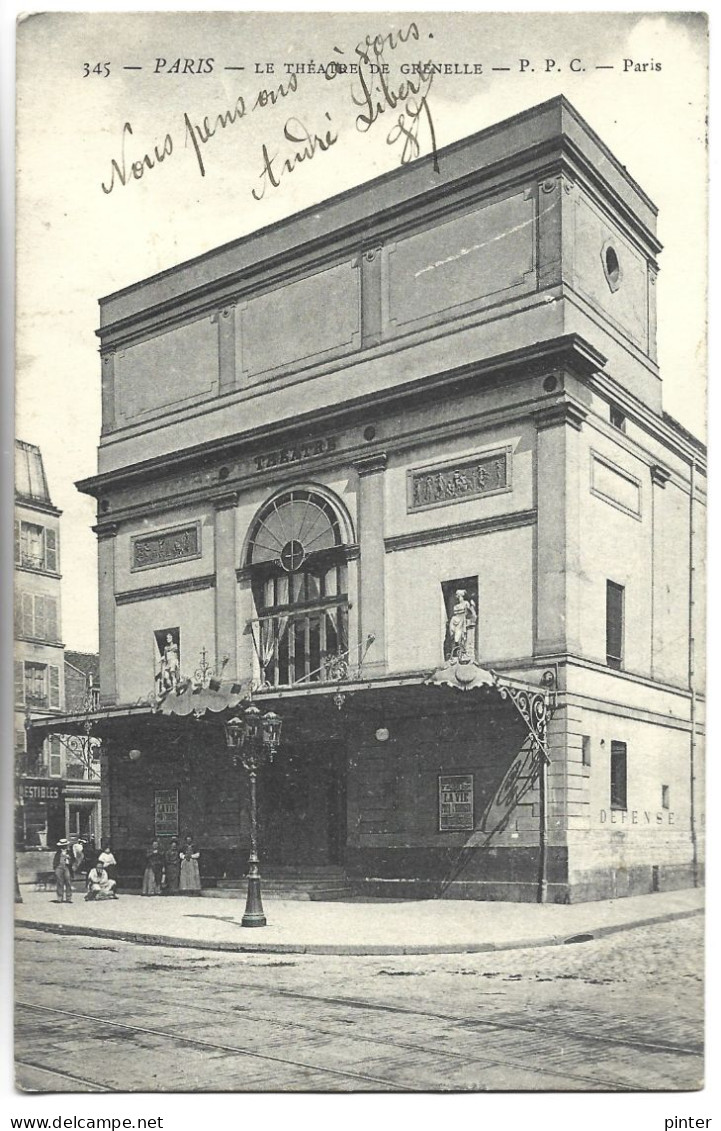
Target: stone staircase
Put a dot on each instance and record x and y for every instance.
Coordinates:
(320, 883)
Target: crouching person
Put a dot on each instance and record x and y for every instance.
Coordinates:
(100, 886)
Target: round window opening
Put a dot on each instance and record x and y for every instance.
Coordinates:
(613, 267)
(292, 555)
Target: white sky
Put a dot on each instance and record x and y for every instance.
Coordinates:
(77, 243)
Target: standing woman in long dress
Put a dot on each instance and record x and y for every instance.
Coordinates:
(153, 875)
(189, 868)
(172, 868)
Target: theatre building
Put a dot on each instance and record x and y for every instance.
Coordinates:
(398, 467)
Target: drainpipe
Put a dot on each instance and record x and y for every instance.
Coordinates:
(543, 830)
(692, 676)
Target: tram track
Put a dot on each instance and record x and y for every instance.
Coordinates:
(489, 1061)
(216, 1046)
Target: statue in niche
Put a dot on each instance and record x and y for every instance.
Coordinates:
(169, 674)
(461, 626)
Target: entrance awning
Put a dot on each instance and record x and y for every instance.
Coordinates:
(192, 699)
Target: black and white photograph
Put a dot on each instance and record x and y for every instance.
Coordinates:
(360, 480)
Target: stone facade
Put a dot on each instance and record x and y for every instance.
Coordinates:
(458, 370)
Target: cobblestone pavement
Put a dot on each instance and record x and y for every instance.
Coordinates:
(619, 1013)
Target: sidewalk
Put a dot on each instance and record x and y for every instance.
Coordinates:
(303, 927)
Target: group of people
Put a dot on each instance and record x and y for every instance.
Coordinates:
(81, 860)
(173, 872)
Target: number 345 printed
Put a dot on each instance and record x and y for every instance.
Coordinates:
(96, 69)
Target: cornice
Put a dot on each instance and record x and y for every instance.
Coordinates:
(165, 589)
(562, 413)
(225, 502)
(105, 530)
(659, 475)
(371, 464)
(459, 530)
(35, 505)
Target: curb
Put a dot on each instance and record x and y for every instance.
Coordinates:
(352, 948)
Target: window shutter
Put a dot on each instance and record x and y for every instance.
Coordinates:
(40, 620)
(19, 682)
(18, 552)
(54, 675)
(18, 613)
(51, 619)
(55, 761)
(51, 549)
(20, 741)
(28, 617)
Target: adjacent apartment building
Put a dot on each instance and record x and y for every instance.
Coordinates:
(58, 780)
(399, 467)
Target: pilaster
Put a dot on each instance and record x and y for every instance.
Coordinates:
(558, 554)
(371, 524)
(225, 585)
(106, 609)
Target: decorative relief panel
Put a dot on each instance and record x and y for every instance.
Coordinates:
(180, 543)
(457, 482)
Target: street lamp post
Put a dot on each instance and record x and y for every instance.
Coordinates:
(254, 740)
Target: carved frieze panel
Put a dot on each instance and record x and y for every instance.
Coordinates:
(163, 547)
(470, 477)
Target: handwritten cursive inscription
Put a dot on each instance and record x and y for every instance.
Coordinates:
(307, 146)
(378, 93)
(137, 168)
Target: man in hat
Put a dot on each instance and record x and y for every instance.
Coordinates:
(100, 886)
(63, 876)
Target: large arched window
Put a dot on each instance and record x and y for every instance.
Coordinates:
(297, 554)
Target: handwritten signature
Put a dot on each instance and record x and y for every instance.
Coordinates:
(377, 95)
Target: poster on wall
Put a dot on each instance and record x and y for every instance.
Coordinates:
(360, 377)
(166, 812)
(455, 802)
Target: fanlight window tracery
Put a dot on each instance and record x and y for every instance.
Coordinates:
(299, 576)
(292, 529)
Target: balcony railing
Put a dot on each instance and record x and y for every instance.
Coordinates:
(33, 699)
(32, 561)
(301, 645)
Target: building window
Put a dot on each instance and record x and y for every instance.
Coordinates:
(37, 686)
(36, 616)
(297, 558)
(614, 624)
(617, 418)
(460, 603)
(36, 547)
(665, 797)
(618, 775)
(585, 750)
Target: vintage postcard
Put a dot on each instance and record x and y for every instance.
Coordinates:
(360, 494)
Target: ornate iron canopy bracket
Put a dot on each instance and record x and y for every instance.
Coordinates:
(534, 705)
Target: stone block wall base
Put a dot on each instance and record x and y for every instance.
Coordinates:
(615, 883)
(508, 875)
